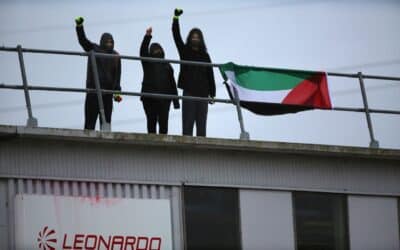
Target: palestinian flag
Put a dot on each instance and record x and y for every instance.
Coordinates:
(268, 91)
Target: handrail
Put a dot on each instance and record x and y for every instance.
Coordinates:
(165, 96)
(150, 59)
(105, 91)
(244, 135)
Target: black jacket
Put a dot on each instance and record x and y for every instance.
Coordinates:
(197, 80)
(109, 69)
(157, 77)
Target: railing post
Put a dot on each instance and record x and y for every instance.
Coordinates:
(243, 134)
(104, 125)
(32, 121)
(373, 143)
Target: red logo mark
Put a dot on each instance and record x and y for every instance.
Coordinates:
(47, 239)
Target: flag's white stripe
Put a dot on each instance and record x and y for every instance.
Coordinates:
(275, 96)
(329, 90)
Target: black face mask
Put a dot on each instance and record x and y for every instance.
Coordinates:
(195, 43)
(157, 54)
(195, 40)
(107, 42)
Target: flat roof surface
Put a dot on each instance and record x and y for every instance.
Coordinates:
(194, 142)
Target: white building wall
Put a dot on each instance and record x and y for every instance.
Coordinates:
(266, 220)
(10, 187)
(373, 223)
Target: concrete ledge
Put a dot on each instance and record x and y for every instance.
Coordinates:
(194, 142)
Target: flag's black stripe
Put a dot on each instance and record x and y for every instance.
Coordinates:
(261, 108)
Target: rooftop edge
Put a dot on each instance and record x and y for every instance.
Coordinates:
(7, 131)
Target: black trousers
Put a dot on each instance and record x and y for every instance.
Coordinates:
(92, 110)
(157, 111)
(194, 112)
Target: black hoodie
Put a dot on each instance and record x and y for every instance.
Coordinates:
(197, 80)
(109, 69)
(157, 77)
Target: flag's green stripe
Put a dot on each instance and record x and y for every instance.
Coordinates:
(266, 79)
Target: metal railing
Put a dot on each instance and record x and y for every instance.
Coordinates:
(32, 121)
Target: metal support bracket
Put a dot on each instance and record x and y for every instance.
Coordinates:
(243, 134)
(104, 126)
(373, 143)
(32, 121)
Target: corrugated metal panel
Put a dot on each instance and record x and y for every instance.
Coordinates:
(3, 216)
(10, 187)
(152, 164)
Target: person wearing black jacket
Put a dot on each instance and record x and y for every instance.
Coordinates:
(109, 71)
(194, 80)
(158, 78)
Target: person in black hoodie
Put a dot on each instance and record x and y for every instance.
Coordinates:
(109, 70)
(194, 80)
(158, 78)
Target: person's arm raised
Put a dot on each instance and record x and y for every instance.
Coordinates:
(144, 47)
(83, 41)
(176, 31)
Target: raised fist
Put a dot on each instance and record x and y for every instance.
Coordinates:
(79, 21)
(178, 12)
(148, 31)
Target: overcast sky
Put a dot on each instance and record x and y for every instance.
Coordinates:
(342, 36)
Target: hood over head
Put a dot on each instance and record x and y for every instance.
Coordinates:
(156, 50)
(107, 42)
(195, 40)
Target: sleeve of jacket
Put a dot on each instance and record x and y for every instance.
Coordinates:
(211, 80)
(144, 49)
(83, 41)
(173, 89)
(117, 74)
(177, 37)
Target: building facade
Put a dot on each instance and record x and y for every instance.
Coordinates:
(207, 193)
